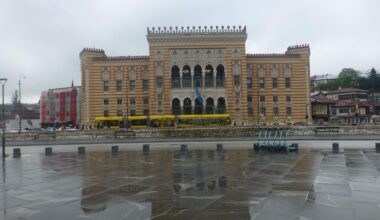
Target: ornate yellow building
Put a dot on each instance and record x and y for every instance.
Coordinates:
(198, 70)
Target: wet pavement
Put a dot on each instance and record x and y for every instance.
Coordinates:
(202, 183)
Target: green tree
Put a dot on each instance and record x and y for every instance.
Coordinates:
(348, 77)
(364, 83)
(373, 80)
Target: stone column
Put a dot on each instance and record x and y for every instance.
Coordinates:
(180, 81)
(214, 79)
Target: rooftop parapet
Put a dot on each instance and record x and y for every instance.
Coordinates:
(120, 58)
(92, 50)
(272, 55)
(297, 48)
(188, 34)
(194, 29)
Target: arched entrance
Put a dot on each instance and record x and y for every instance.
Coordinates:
(209, 105)
(198, 108)
(197, 76)
(220, 76)
(221, 106)
(186, 77)
(176, 80)
(176, 107)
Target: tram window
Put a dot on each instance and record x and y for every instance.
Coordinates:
(168, 123)
(141, 122)
(155, 124)
(110, 124)
(198, 122)
(121, 124)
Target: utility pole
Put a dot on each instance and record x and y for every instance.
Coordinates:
(20, 107)
(373, 97)
(2, 82)
(373, 78)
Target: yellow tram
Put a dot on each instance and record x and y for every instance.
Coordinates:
(162, 121)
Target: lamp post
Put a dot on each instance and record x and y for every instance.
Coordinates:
(20, 108)
(2, 82)
(19, 98)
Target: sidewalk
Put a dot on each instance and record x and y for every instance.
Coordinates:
(188, 139)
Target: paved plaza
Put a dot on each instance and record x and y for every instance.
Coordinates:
(201, 183)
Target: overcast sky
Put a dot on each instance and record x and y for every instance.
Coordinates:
(40, 40)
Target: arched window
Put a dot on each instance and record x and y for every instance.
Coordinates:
(209, 105)
(220, 76)
(176, 83)
(176, 108)
(209, 76)
(198, 108)
(187, 106)
(186, 77)
(197, 76)
(221, 107)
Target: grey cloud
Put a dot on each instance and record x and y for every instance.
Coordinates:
(42, 38)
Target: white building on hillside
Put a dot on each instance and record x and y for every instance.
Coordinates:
(319, 79)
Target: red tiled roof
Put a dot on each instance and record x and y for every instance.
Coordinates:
(347, 90)
(351, 102)
(320, 98)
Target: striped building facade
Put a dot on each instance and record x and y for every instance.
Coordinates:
(198, 70)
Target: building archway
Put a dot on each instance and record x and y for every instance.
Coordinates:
(187, 106)
(186, 77)
(176, 80)
(209, 76)
(176, 107)
(221, 106)
(209, 105)
(198, 107)
(197, 76)
(220, 76)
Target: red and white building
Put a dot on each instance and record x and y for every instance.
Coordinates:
(61, 105)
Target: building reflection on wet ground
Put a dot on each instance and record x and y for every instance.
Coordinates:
(198, 184)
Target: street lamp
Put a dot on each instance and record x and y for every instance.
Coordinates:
(2, 82)
(19, 98)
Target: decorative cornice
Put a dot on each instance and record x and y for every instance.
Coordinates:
(120, 58)
(196, 34)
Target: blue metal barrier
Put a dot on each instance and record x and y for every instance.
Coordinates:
(278, 142)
